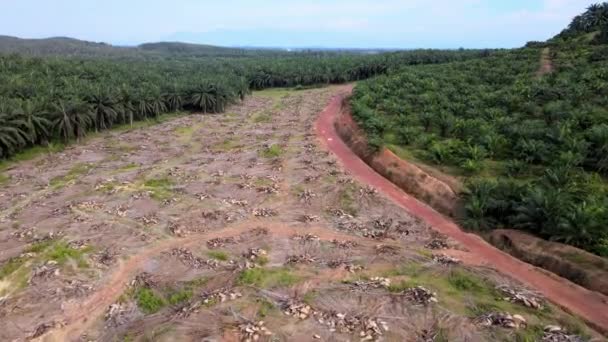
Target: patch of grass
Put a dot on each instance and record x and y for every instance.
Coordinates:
(197, 282)
(532, 333)
(399, 287)
(410, 269)
(458, 290)
(226, 145)
(425, 253)
(18, 269)
(75, 172)
(267, 278)
(61, 252)
(10, 266)
(309, 297)
(128, 338)
(265, 307)
(4, 178)
(274, 93)
(129, 167)
(181, 296)
(462, 281)
(31, 153)
(218, 255)
(160, 188)
(147, 122)
(40, 247)
(185, 130)
(262, 181)
(186, 133)
(123, 147)
(262, 260)
(272, 151)
(107, 187)
(262, 117)
(148, 301)
(347, 199)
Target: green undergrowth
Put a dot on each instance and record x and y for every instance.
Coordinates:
(30, 154)
(218, 255)
(268, 277)
(272, 151)
(129, 167)
(75, 172)
(186, 133)
(148, 122)
(152, 300)
(149, 301)
(274, 93)
(227, 145)
(262, 117)
(265, 307)
(17, 270)
(465, 292)
(61, 252)
(347, 199)
(160, 188)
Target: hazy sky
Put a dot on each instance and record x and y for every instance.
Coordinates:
(341, 23)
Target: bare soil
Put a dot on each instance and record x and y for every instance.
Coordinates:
(200, 227)
(546, 65)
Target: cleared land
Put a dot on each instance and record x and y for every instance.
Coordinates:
(198, 226)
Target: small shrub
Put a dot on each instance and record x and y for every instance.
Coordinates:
(218, 255)
(148, 301)
(272, 151)
(471, 166)
(180, 296)
(267, 278)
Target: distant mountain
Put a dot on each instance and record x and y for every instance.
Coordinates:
(288, 39)
(63, 46)
(57, 46)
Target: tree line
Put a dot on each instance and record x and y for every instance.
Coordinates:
(59, 98)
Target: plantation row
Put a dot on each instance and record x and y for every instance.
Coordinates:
(42, 99)
(534, 149)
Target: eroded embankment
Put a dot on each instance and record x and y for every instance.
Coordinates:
(579, 266)
(405, 175)
(591, 306)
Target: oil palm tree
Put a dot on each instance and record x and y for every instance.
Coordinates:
(103, 109)
(72, 119)
(36, 121)
(13, 134)
(203, 97)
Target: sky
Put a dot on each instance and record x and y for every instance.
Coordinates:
(295, 23)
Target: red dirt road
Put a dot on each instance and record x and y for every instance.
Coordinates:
(591, 306)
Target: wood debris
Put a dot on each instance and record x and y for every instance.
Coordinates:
(420, 295)
(446, 260)
(265, 212)
(251, 331)
(501, 319)
(526, 298)
(554, 333)
(306, 238)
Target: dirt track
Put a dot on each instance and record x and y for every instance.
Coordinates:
(150, 203)
(592, 306)
(546, 65)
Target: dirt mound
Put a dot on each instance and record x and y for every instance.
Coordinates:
(409, 177)
(579, 266)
